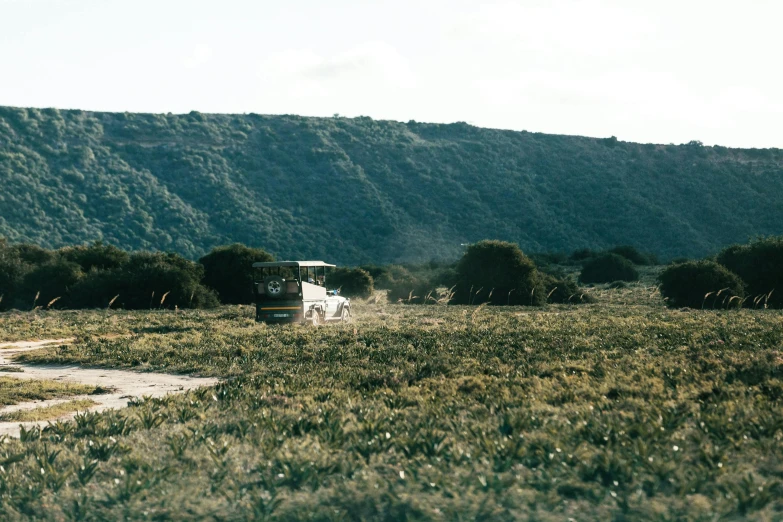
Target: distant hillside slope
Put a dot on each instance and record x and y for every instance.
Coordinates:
(356, 190)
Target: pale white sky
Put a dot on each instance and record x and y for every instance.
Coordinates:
(658, 71)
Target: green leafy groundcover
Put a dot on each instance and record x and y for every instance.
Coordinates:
(607, 411)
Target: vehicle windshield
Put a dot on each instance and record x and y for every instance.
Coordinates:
(286, 272)
(309, 274)
(313, 274)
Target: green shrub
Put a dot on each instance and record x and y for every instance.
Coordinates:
(700, 284)
(352, 282)
(97, 288)
(760, 265)
(12, 271)
(32, 254)
(445, 277)
(52, 280)
(148, 276)
(374, 270)
(229, 271)
(97, 255)
(564, 290)
(607, 268)
(386, 277)
(633, 255)
(413, 291)
(91, 276)
(499, 273)
(581, 255)
(543, 259)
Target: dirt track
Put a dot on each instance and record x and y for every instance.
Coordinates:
(126, 384)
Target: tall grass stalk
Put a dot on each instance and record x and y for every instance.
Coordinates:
(705, 298)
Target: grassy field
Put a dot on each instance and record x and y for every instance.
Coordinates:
(619, 410)
(47, 412)
(14, 391)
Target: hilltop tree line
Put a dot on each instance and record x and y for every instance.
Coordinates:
(352, 190)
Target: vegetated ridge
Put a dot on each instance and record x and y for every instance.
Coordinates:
(358, 190)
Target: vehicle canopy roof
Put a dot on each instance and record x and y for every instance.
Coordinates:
(291, 263)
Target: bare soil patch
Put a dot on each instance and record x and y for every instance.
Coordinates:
(121, 385)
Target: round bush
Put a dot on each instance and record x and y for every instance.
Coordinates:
(229, 271)
(50, 281)
(581, 255)
(499, 273)
(760, 265)
(607, 268)
(352, 282)
(12, 271)
(97, 289)
(633, 255)
(148, 276)
(386, 277)
(701, 284)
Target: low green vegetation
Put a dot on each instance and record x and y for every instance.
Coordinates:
(497, 272)
(14, 391)
(740, 275)
(608, 267)
(228, 270)
(102, 276)
(99, 276)
(633, 255)
(352, 282)
(694, 282)
(622, 409)
(760, 265)
(47, 412)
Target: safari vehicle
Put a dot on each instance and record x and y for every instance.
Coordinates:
(295, 292)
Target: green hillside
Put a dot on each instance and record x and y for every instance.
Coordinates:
(359, 190)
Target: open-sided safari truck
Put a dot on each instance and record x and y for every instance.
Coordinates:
(295, 292)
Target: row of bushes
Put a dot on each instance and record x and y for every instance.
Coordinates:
(605, 266)
(493, 272)
(584, 255)
(99, 276)
(748, 275)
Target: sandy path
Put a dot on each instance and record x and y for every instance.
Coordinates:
(30, 345)
(126, 384)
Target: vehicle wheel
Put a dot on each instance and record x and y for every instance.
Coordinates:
(274, 286)
(346, 315)
(315, 318)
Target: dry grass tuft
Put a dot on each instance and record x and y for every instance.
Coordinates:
(48, 412)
